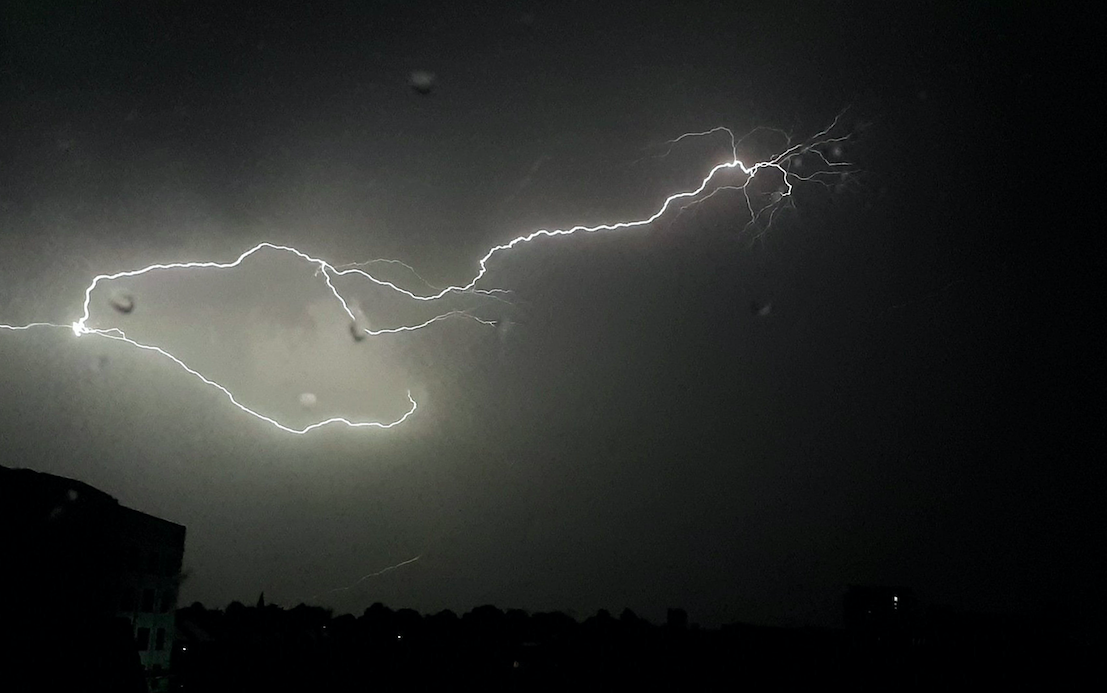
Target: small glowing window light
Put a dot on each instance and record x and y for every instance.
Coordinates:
(399, 637)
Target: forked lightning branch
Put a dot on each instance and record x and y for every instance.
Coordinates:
(822, 167)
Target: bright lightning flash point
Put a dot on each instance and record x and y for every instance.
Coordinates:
(824, 172)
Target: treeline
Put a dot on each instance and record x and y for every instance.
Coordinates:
(307, 648)
(265, 648)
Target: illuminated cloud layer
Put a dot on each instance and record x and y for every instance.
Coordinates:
(825, 170)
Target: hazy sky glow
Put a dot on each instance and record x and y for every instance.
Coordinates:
(282, 359)
(688, 413)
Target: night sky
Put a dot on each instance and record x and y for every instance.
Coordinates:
(636, 431)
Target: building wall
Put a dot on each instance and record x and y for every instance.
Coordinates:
(149, 552)
(75, 561)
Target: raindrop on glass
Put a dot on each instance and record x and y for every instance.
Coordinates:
(422, 81)
(122, 301)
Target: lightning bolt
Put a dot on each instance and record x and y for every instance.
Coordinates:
(363, 578)
(826, 173)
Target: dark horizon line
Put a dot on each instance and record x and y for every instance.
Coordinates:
(919, 610)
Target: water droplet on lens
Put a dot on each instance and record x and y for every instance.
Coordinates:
(357, 331)
(422, 81)
(359, 324)
(122, 302)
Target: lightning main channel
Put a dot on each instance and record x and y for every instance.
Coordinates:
(826, 172)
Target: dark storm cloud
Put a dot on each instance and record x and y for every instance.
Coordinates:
(640, 430)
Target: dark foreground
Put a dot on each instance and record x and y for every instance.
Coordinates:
(267, 648)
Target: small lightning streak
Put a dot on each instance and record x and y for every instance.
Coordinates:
(363, 578)
(387, 261)
(781, 163)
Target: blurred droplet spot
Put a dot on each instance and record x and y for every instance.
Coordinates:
(122, 301)
(761, 308)
(422, 81)
(360, 324)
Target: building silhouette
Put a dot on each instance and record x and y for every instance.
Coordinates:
(88, 591)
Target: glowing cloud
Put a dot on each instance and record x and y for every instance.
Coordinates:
(787, 162)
